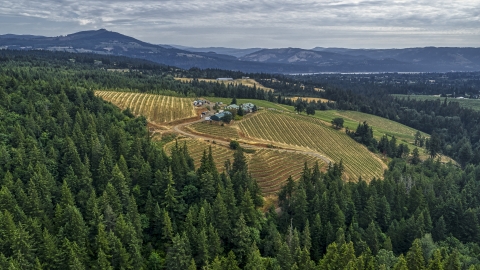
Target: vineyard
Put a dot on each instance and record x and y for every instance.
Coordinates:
(196, 147)
(214, 130)
(309, 99)
(271, 168)
(245, 82)
(380, 125)
(156, 108)
(313, 134)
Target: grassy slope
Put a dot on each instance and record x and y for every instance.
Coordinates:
(380, 125)
(473, 104)
(259, 103)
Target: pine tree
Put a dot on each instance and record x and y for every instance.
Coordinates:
(453, 261)
(401, 264)
(119, 183)
(230, 262)
(247, 208)
(178, 255)
(415, 260)
(102, 261)
(201, 247)
(241, 240)
(306, 238)
(167, 229)
(155, 262)
(239, 162)
(254, 259)
(332, 259)
(215, 247)
(221, 220)
(48, 250)
(371, 237)
(284, 257)
(317, 232)
(436, 262)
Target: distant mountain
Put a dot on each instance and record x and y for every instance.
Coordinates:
(300, 57)
(285, 60)
(444, 58)
(218, 50)
(107, 42)
(19, 36)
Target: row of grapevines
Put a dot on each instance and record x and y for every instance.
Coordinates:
(312, 133)
(157, 108)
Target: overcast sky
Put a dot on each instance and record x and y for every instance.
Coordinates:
(260, 23)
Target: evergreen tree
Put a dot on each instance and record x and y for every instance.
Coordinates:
(179, 254)
(453, 261)
(401, 264)
(415, 260)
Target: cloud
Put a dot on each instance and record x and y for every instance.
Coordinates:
(306, 23)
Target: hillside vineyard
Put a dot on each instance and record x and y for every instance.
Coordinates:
(156, 108)
(315, 135)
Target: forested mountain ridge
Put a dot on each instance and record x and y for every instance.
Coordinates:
(105, 42)
(84, 187)
(283, 60)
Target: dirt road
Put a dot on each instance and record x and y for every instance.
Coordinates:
(256, 144)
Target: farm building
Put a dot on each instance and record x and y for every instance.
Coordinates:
(232, 107)
(248, 107)
(224, 79)
(219, 116)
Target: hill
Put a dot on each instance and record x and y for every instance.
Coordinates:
(447, 58)
(269, 167)
(286, 130)
(313, 135)
(112, 43)
(283, 60)
(218, 50)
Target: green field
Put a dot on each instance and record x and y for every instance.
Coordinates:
(473, 104)
(380, 125)
(259, 103)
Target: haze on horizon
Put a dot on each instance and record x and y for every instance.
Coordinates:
(262, 23)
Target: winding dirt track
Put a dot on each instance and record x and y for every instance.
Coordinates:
(180, 128)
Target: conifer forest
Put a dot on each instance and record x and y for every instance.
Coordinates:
(84, 186)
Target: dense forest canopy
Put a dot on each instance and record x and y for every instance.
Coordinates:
(84, 187)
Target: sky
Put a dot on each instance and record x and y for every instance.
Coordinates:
(260, 23)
